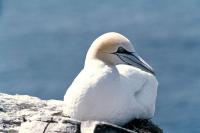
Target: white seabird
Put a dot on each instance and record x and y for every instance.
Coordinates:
(116, 85)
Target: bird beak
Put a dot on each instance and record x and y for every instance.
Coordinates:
(134, 59)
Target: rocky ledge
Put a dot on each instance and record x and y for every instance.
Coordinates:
(27, 114)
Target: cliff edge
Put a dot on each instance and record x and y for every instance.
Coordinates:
(27, 114)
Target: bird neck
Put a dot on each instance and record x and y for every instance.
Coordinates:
(98, 64)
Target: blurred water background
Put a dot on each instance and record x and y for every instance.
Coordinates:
(43, 46)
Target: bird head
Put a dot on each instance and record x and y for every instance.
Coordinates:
(113, 49)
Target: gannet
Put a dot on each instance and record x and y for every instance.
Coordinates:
(116, 85)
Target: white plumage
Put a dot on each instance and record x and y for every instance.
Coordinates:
(115, 85)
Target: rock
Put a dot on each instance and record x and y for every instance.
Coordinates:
(27, 114)
(143, 126)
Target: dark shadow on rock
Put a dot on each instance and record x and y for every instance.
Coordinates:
(143, 126)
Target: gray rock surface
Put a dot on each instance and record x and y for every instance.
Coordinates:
(27, 114)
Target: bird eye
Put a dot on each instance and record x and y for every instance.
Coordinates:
(122, 50)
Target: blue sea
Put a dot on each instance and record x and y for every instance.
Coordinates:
(43, 46)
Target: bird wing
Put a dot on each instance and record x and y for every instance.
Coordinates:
(95, 95)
